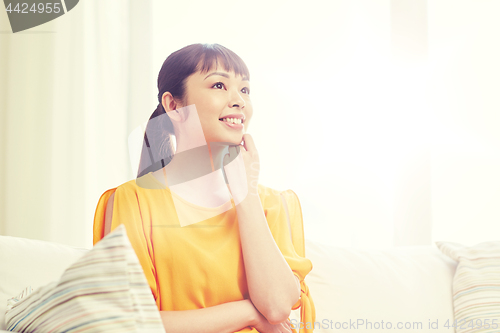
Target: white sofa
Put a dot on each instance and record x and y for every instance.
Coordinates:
(408, 287)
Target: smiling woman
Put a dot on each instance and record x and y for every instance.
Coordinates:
(215, 245)
(189, 76)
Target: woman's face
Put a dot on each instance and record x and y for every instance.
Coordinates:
(217, 94)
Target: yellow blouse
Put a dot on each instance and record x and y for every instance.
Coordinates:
(201, 264)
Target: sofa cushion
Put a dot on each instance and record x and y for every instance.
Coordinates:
(404, 284)
(25, 262)
(103, 291)
(476, 285)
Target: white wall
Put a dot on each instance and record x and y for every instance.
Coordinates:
(464, 99)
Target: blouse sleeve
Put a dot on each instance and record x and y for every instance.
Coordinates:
(126, 210)
(284, 215)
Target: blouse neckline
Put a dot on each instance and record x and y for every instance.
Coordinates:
(184, 201)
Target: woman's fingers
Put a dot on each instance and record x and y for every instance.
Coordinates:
(248, 143)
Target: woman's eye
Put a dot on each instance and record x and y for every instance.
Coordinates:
(218, 85)
(245, 91)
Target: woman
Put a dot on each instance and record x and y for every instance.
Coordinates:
(216, 246)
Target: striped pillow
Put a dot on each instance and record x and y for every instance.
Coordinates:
(103, 291)
(476, 286)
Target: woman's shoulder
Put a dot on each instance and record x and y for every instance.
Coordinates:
(125, 189)
(271, 191)
(145, 182)
(267, 191)
(271, 196)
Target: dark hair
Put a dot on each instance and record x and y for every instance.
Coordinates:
(157, 149)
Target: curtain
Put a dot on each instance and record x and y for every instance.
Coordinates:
(71, 92)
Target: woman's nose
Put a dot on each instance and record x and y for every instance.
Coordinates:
(236, 101)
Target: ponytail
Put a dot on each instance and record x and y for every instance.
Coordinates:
(157, 147)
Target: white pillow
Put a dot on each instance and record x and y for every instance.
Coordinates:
(352, 287)
(103, 291)
(476, 285)
(31, 262)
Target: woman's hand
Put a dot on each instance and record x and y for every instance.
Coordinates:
(263, 325)
(242, 167)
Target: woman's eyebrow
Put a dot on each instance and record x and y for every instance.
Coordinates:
(224, 75)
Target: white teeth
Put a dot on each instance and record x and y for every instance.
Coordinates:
(232, 120)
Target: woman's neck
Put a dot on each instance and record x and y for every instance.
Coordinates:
(189, 164)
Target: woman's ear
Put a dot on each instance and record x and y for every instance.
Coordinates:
(170, 105)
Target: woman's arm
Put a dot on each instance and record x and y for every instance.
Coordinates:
(273, 287)
(228, 317)
(271, 283)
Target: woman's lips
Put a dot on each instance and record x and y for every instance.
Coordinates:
(231, 125)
